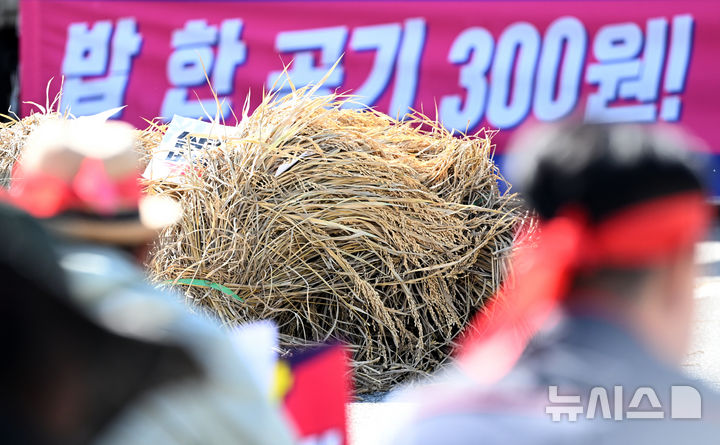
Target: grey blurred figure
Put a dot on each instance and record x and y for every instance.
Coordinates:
(80, 179)
(622, 324)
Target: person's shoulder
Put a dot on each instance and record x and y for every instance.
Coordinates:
(489, 416)
(477, 427)
(518, 410)
(454, 409)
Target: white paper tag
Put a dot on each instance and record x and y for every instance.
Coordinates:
(183, 140)
(257, 344)
(103, 116)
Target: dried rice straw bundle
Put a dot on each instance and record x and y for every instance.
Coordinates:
(147, 140)
(386, 235)
(12, 140)
(15, 131)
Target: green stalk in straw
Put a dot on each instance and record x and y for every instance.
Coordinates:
(205, 283)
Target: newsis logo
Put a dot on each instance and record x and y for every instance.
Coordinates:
(684, 402)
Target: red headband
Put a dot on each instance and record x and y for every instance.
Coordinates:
(637, 236)
(91, 190)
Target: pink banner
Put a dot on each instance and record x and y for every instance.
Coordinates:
(497, 64)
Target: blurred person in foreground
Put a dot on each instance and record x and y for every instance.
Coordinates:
(585, 343)
(81, 179)
(64, 377)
